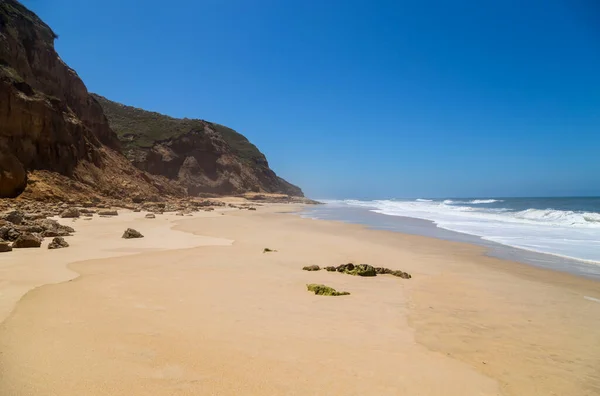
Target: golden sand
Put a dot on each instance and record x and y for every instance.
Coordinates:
(197, 308)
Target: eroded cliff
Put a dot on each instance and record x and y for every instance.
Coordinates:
(202, 156)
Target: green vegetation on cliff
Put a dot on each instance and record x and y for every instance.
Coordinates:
(139, 128)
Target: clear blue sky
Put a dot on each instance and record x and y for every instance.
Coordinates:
(364, 99)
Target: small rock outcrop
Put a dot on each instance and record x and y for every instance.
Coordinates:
(131, 233)
(322, 290)
(312, 268)
(58, 243)
(367, 270)
(27, 240)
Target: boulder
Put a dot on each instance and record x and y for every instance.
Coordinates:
(58, 243)
(330, 269)
(312, 268)
(150, 216)
(70, 213)
(9, 233)
(15, 217)
(5, 247)
(131, 233)
(27, 240)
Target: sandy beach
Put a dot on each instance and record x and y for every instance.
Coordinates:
(197, 308)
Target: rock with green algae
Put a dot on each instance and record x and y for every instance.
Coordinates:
(322, 290)
(362, 270)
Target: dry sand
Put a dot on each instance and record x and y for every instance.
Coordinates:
(185, 311)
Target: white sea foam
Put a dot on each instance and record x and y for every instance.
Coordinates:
(562, 233)
(474, 201)
(423, 200)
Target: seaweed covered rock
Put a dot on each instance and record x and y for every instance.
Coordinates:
(131, 233)
(312, 268)
(322, 290)
(58, 243)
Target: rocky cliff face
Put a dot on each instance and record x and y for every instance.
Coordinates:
(55, 141)
(203, 157)
(49, 122)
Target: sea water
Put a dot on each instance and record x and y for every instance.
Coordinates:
(567, 228)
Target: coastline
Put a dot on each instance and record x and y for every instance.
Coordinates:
(428, 228)
(465, 323)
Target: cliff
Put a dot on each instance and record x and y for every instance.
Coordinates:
(56, 142)
(202, 156)
(50, 127)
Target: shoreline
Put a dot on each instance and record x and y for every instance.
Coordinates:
(445, 296)
(429, 229)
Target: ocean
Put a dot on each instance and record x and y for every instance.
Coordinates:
(557, 233)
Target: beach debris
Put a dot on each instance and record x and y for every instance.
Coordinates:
(131, 233)
(322, 290)
(108, 213)
(58, 243)
(70, 213)
(27, 240)
(312, 268)
(267, 250)
(5, 247)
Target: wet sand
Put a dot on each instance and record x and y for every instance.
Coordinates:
(201, 310)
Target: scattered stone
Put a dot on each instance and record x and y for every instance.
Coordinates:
(312, 268)
(267, 250)
(108, 213)
(27, 240)
(179, 214)
(401, 274)
(70, 213)
(322, 290)
(15, 217)
(87, 218)
(58, 243)
(251, 208)
(5, 247)
(208, 209)
(136, 210)
(150, 216)
(131, 233)
(330, 268)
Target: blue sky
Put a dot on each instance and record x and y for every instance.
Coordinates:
(364, 99)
